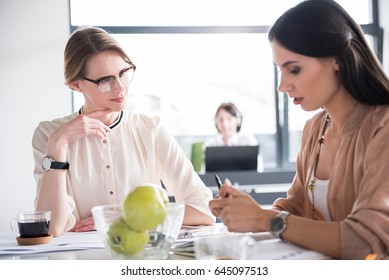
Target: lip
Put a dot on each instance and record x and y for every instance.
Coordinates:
(118, 100)
(297, 100)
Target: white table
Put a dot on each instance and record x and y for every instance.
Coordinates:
(90, 246)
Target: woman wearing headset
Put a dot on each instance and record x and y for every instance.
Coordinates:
(228, 122)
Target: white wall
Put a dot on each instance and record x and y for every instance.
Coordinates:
(33, 35)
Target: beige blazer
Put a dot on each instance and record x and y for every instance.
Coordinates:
(358, 194)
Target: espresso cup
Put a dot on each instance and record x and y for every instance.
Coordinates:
(31, 224)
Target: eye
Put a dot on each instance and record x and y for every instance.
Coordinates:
(105, 80)
(126, 71)
(123, 72)
(294, 70)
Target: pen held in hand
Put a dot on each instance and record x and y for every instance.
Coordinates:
(218, 182)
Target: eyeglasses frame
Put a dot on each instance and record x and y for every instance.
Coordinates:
(97, 82)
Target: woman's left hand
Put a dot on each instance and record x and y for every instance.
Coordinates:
(84, 225)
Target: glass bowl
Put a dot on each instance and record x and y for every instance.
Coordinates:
(160, 239)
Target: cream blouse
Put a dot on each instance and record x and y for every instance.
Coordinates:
(103, 171)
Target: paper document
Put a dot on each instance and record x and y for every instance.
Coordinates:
(277, 249)
(190, 233)
(266, 246)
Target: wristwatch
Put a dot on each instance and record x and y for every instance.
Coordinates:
(277, 225)
(49, 164)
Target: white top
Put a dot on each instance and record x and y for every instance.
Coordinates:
(237, 139)
(103, 171)
(320, 192)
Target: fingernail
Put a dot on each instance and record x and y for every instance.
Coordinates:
(227, 181)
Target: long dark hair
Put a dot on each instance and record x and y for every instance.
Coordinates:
(322, 28)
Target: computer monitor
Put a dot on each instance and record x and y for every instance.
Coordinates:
(231, 158)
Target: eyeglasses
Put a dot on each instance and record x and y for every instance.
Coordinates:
(106, 84)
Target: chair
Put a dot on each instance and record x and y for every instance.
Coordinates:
(197, 155)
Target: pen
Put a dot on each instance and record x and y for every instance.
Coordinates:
(218, 182)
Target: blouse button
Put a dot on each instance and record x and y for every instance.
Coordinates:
(111, 192)
(108, 166)
(104, 141)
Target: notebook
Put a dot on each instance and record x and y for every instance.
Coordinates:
(231, 158)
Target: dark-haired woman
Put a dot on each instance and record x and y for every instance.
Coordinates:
(338, 203)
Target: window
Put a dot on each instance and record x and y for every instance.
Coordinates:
(193, 55)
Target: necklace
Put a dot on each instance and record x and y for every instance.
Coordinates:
(311, 186)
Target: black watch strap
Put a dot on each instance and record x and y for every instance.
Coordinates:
(59, 165)
(50, 164)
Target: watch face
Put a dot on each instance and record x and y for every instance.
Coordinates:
(46, 163)
(277, 225)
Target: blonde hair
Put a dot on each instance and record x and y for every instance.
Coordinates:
(84, 43)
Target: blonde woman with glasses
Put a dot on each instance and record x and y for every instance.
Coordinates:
(97, 155)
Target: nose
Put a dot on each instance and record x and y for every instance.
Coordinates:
(228, 126)
(225, 123)
(284, 85)
(118, 85)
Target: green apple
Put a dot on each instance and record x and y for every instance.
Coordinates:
(124, 240)
(144, 207)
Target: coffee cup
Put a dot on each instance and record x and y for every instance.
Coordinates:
(31, 224)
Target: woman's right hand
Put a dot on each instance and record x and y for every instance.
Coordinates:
(81, 126)
(55, 198)
(239, 211)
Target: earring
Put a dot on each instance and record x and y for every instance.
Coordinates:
(336, 65)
